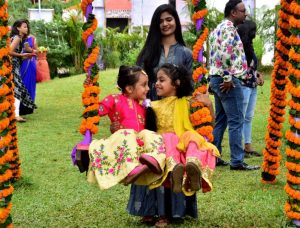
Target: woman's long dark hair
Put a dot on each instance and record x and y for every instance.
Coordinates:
(150, 120)
(150, 54)
(247, 32)
(17, 24)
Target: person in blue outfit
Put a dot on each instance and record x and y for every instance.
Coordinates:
(247, 32)
(164, 44)
(28, 70)
(18, 33)
(228, 67)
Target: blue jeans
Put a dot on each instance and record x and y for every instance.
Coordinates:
(229, 111)
(248, 111)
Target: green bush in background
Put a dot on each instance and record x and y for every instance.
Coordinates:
(52, 35)
(119, 48)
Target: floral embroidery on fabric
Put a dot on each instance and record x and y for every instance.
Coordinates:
(141, 119)
(140, 141)
(98, 159)
(158, 145)
(139, 148)
(121, 155)
(125, 133)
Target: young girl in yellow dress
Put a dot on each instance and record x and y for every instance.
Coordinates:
(190, 159)
(130, 154)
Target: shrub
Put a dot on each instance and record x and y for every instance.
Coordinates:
(51, 35)
(119, 48)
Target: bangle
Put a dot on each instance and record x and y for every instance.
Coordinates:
(227, 78)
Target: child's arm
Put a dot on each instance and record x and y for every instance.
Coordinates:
(108, 107)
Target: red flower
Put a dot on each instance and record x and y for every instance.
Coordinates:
(140, 142)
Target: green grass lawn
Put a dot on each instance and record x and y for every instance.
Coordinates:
(52, 192)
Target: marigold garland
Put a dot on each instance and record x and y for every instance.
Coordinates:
(292, 179)
(269, 182)
(90, 95)
(200, 116)
(272, 156)
(293, 122)
(4, 213)
(6, 192)
(272, 150)
(283, 24)
(8, 156)
(290, 213)
(292, 192)
(200, 89)
(7, 123)
(281, 48)
(198, 72)
(293, 137)
(199, 15)
(199, 43)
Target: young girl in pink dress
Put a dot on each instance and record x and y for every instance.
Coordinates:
(130, 152)
(190, 159)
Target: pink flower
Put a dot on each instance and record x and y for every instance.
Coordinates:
(98, 153)
(129, 159)
(98, 160)
(126, 133)
(140, 142)
(218, 62)
(229, 49)
(161, 149)
(111, 170)
(96, 165)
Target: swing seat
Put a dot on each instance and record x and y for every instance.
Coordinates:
(82, 157)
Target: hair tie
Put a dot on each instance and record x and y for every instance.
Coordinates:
(144, 72)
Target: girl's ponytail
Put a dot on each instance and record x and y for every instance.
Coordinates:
(150, 119)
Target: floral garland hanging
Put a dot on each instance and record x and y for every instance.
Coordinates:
(90, 95)
(200, 116)
(292, 187)
(272, 156)
(8, 172)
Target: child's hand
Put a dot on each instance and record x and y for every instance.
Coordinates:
(115, 126)
(260, 79)
(203, 98)
(27, 55)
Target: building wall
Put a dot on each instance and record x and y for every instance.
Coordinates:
(99, 12)
(142, 11)
(42, 14)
